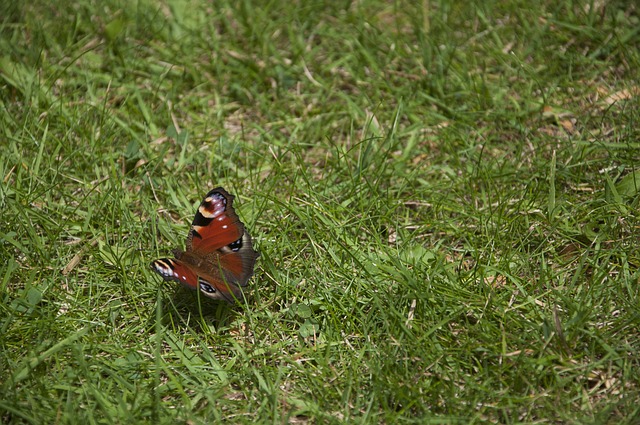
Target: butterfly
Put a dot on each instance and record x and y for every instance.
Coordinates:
(219, 256)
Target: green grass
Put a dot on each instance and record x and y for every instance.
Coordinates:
(445, 199)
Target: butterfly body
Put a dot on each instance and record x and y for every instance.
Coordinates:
(219, 256)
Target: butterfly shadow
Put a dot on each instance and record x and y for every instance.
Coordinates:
(184, 308)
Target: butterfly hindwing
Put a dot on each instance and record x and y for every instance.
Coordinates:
(237, 265)
(219, 256)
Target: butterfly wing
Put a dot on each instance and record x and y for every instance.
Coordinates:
(216, 223)
(209, 284)
(219, 256)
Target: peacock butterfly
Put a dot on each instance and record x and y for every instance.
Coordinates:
(219, 257)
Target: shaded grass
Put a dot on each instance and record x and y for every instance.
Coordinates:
(444, 198)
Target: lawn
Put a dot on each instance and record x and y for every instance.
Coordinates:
(444, 197)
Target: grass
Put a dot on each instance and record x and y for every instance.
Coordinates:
(445, 199)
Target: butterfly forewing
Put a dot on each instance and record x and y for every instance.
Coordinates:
(171, 269)
(216, 224)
